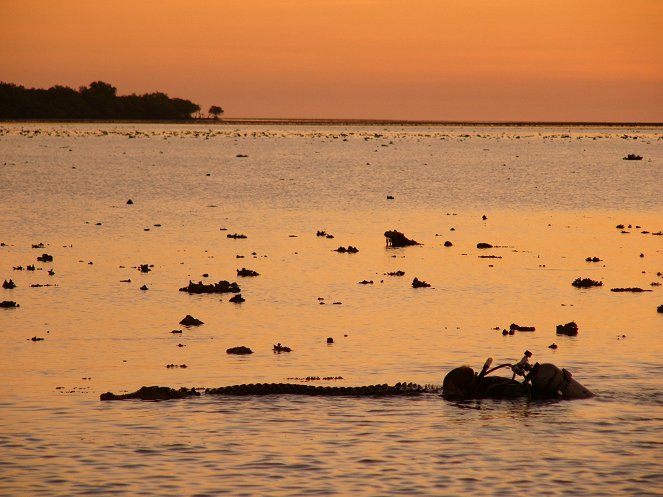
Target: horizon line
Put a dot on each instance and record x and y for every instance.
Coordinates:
(341, 121)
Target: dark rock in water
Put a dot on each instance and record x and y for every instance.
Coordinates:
(45, 258)
(130, 202)
(448, 244)
(397, 239)
(483, 245)
(152, 393)
(632, 157)
(236, 236)
(516, 327)
(632, 289)
(247, 272)
(144, 287)
(189, 320)
(222, 286)
(568, 329)
(417, 283)
(9, 284)
(586, 283)
(330, 340)
(237, 299)
(660, 309)
(278, 348)
(239, 350)
(8, 304)
(349, 250)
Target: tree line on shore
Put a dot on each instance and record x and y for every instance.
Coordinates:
(99, 100)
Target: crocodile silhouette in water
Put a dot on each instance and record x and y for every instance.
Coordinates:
(544, 381)
(165, 393)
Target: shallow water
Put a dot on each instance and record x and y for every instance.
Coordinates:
(552, 197)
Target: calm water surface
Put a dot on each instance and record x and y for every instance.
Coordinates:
(552, 197)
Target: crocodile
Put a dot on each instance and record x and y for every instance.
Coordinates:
(166, 393)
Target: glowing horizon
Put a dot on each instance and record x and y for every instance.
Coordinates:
(479, 60)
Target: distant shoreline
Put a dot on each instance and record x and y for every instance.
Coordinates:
(337, 122)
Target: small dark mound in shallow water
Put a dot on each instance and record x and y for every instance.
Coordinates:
(417, 283)
(189, 320)
(222, 286)
(247, 272)
(397, 239)
(349, 250)
(241, 350)
(568, 329)
(278, 348)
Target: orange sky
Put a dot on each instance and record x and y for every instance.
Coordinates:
(588, 60)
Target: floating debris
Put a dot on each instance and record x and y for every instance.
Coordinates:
(586, 283)
(222, 286)
(517, 327)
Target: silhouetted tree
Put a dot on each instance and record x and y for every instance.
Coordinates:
(97, 101)
(215, 111)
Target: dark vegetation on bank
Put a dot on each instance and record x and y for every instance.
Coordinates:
(99, 100)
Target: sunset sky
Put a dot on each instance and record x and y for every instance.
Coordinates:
(503, 60)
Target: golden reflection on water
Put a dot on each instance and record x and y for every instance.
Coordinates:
(102, 334)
